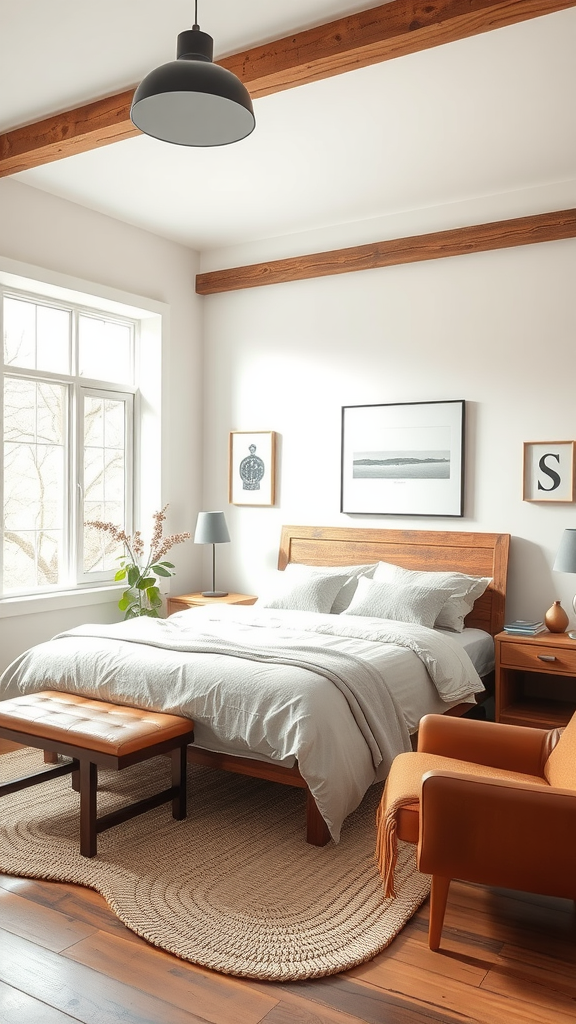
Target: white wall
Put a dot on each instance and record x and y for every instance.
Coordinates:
(497, 329)
(47, 232)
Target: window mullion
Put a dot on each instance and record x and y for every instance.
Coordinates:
(2, 446)
(76, 474)
(75, 478)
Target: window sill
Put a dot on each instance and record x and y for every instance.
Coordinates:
(38, 603)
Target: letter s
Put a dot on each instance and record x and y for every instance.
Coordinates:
(554, 476)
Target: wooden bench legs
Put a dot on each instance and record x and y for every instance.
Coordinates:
(93, 734)
(88, 785)
(84, 772)
(32, 780)
(85, 781)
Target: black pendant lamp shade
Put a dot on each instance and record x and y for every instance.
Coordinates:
(191, 101)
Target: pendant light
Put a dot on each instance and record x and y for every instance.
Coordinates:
(191, 101)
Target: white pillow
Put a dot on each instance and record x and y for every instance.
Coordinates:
(300, 588)
(347, 591)
(404, 602)
(348, 574)
(460, 591)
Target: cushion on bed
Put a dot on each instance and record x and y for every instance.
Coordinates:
(299, 588)
(348, 576)
(347, 591)
(403, 602)
(459, 590)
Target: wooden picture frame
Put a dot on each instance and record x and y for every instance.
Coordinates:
(403, 459)
(252, 467)
(548, 471)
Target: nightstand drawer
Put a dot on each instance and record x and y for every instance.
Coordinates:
(538, 658)
(174, 605)
(182, 602)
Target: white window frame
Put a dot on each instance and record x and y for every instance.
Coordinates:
(78, 387)
(152, 317)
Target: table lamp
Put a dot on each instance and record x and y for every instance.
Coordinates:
(211, 529)
(566, 561)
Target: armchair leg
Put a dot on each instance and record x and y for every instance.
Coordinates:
(438, 898)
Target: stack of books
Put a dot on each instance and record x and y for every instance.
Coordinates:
(524, 627)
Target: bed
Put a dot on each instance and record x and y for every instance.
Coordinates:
(298, 697)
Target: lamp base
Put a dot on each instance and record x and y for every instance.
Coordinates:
(572, 634)
(214, 593)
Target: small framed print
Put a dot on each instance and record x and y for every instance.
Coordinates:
(252, 467)
(549, 470)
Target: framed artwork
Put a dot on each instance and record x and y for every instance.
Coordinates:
(252, 467)
(548, 470)
(404, 459)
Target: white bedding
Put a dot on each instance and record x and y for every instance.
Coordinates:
(331, 692)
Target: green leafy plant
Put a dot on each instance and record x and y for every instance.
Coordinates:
(142, 572)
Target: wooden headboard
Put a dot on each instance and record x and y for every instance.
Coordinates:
(478, 554)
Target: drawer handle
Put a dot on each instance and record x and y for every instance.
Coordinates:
(547, 657)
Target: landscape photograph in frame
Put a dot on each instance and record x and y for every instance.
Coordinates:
(403, 459)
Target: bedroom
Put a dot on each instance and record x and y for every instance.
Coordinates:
(493, 328)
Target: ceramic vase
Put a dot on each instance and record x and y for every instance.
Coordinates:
(556, 619)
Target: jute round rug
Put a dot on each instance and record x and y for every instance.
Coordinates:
(234, 887)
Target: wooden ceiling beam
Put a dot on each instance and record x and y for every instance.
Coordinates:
(369, 37)
(355, 41)
(503, 234)
(75, 131)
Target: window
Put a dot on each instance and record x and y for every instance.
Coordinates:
(67, 441)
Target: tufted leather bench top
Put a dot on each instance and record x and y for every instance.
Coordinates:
(92, 724)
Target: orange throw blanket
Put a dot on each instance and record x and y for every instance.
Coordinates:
(402, 788)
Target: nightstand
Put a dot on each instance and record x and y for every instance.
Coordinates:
(535, 681)
(183, 601)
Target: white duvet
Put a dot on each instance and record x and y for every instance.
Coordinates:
(283, 686)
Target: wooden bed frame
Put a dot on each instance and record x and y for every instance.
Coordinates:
(478, 554)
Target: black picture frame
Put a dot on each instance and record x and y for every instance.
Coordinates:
(404, 458)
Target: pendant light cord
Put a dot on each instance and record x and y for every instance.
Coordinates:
(196, 25)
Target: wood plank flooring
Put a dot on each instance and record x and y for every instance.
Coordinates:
(505, 957)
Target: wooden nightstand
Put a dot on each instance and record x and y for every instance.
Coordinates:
(535, 679)
(183, 601)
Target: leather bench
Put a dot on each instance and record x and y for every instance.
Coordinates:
(97, 734)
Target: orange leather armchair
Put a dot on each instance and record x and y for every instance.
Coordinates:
(487, 803)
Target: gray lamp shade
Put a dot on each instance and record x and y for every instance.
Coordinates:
(192, 102)
(211, 528)
(566, 556)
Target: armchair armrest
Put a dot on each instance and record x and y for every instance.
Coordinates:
(515, 748)
(495, 832)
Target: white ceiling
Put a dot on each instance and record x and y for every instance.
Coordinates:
(486, 116)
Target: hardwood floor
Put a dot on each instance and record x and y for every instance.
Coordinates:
(505, 957)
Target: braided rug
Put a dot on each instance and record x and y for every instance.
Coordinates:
(234, 887)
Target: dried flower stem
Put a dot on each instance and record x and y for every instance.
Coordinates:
(143, 595)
